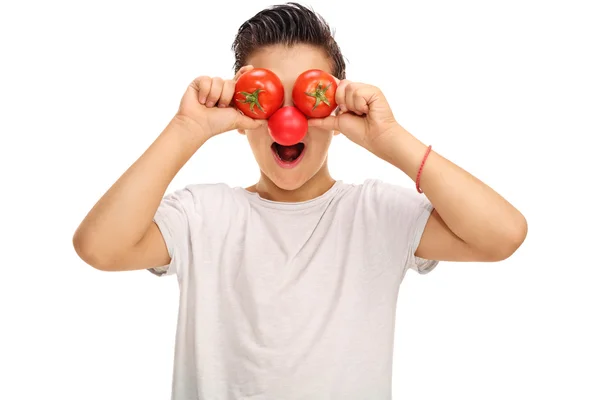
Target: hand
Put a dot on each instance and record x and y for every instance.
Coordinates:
(206, 105)
(364, 114)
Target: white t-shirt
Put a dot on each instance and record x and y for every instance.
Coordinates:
(289, 301)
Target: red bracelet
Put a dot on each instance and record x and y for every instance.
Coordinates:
(418, 180)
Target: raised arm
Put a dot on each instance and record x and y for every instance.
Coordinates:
(470, 221)
(119, 233)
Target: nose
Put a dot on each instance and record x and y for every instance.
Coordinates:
(287, 97)
(287, 126)
(287, 94)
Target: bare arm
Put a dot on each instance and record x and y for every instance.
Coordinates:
(119, 233)
(471, 222)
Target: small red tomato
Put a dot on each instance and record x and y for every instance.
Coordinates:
(258, 93)
(288, 126)
(314, 93)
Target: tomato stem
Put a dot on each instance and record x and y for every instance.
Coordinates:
(319, 95)
(252, 99)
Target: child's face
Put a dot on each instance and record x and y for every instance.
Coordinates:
(288, 63)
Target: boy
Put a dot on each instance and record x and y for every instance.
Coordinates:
(288, 287)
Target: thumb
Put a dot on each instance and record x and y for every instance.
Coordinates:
(244, 122)
(331, 123)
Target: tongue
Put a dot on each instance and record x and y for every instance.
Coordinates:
(289, 153)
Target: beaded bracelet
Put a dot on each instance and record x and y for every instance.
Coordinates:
(418, 180)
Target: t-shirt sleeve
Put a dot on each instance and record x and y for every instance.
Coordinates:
(403, 213)
(173, 220)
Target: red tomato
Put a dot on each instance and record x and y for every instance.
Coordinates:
(314, 93)
(288, 126)
(258, 93)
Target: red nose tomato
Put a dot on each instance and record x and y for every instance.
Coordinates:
(258, 93)
(288, 126)
(314, 93)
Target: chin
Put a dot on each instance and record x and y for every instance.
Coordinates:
(287, 179)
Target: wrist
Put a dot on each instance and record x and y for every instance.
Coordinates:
(401, 149)
(188, 130)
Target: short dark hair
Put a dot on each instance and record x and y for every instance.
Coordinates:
(287, 24)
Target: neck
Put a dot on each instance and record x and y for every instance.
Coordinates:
(320, 183)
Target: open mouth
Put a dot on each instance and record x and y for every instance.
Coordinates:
(288, 156)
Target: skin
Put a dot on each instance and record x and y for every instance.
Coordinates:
(471, 222)
(311, 177)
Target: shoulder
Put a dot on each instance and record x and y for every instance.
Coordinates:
(202, 194)
(375, 192)
(206, 201)
(381, 204)
(198, 190)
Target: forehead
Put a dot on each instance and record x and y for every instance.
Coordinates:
(290, 61)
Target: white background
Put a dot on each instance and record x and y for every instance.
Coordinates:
(508, 90)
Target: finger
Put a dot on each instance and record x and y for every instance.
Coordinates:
(215, 92)
(331, 123)
(242, 71)
(340, 95)
(350, 97)
(360, 102)
(196, 83)
(203, 84)
(227, 93)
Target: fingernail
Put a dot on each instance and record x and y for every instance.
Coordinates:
(343, 108)
(203, 100)
(210, 104)
(221, 105)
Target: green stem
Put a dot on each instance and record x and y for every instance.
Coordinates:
(319, 95)
(252, 99)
